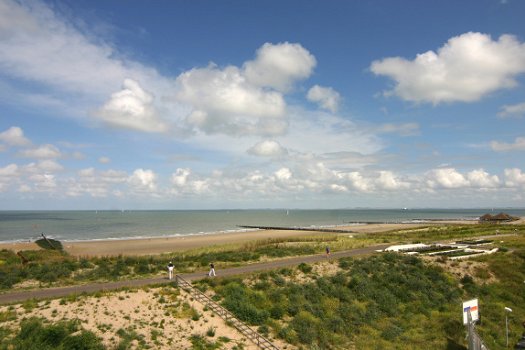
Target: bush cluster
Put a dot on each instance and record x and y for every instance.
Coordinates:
(34, 334)
(332, 311)
(48, 266)
(44, 266)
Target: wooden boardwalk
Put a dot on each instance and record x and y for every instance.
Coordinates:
(248, 332)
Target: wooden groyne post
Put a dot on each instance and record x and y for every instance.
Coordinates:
(281, 228)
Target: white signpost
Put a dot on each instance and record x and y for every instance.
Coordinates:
(472, 306)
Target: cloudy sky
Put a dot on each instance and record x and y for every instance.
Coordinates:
(261, 104)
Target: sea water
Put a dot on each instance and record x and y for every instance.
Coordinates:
(103, 225)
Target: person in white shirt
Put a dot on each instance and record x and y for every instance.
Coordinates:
(170, 270)
(212, 270)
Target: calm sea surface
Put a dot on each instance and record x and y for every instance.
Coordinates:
(96, 225)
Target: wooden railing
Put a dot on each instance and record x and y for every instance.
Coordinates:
(248, 332)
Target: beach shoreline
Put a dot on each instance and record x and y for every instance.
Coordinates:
(166, 245)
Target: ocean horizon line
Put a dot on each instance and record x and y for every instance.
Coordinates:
(255, 209)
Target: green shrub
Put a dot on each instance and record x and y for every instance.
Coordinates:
(262, 286)
(345, 263)
(50, 272)
(8, 257)
(35, 335)
(248, 305)
(210, 332)
(285, 271)
(305, 268)
(391, 332)
(198, 342)
(142, 268)
(277, 311)
(380, 294)
(306, 327)
(264, 330)
(195, 316)
(84, 263)
(288, 334)
(9, 277)
(84, 341)
(279, 281)
(127, 337)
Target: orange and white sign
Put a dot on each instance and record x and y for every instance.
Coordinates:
(472, 306)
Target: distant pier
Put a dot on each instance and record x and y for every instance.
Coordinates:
(316, 229)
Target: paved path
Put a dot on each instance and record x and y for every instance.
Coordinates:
(52, 293)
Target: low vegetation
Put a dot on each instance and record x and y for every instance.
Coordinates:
(443, 232)
(56, 267)
(384, 301)
(38, 334)
(389, 300)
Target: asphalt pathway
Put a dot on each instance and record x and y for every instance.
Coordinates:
(59, 292)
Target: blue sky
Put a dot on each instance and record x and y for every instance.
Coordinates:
(261, 104)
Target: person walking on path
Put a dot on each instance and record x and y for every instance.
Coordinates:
(327, 251)
(170, 270)
(212, 270)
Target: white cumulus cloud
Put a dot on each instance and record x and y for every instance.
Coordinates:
(279, 66)
(450, 178)
(14, 136)
(389, 181)
(132, 108)
(517, 145)
(465, 69)
(481, 179)
(94, 183)
(41, 152)
(180, 177)
(267, 148)
(446, 178)
(283, 174)
(514, 178)
(359, 182)
(247, 100)
(143, 180)
(326, 97)
(184, 182)
(49, 166)
(43, 182)
(10, 170)
(222, 101)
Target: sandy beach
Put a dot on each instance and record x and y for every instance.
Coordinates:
(151, 246)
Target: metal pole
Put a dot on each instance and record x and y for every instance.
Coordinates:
(470, 328)
(507, 310)
(507, 329)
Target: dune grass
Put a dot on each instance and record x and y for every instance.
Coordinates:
(52, 267)
(383, 301)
